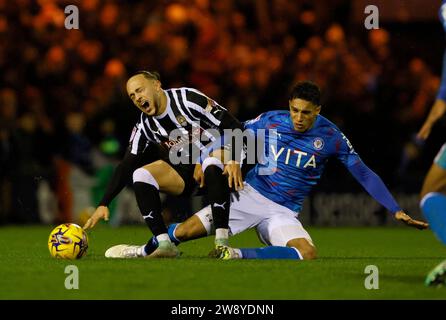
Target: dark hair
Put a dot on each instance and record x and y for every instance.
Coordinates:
(153, 75)
(308, 91)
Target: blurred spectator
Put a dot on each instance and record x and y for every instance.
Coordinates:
(74, 169)
(28, 171)
(8, 153)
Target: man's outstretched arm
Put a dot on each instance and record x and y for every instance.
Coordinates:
(374, 185)
(120, 178)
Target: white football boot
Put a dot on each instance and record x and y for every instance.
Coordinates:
(125, 251)
(165, 249)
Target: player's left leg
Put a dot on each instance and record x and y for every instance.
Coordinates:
(278, 228)
(148, 182)
(247, 211)
(218, 194)
(435, 180)
(433, 202)
(297, 249)
(433, 205)
(286, 239)
(304, 246)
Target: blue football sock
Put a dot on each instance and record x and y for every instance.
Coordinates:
(152, 244)
(273, 252)
(171, 233)
(433, 206)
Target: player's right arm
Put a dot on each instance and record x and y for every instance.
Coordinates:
(374, 185)
(121, 176)
(371, 182)
(257, 123)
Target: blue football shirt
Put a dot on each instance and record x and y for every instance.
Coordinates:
(295, 161)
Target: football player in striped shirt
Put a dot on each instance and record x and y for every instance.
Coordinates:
(176, 123)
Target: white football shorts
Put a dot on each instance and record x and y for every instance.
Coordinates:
(274, 223)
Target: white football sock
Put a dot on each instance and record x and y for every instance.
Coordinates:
(221, 236)
(221, 233)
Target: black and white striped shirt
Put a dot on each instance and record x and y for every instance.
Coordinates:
(188, 110)
(191, 113)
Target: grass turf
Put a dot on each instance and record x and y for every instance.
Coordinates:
(403, 256)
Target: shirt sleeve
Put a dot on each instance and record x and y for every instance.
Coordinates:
(138, 142)
(370, 181)
(256, 123)
(345, 152)
(374, 185)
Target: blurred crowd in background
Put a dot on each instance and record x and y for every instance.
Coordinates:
(65, 118)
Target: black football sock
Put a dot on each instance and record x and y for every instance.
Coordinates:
(149, 203)
(219, 198)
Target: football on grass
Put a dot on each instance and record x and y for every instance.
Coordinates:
(68, 241)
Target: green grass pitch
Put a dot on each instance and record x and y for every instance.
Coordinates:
(403, 257)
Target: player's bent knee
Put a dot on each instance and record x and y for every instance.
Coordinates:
(143, 175)
(308, 253)
(181, 232)
(190, 229)
(166, 178)
(157, 168)
(305, 248)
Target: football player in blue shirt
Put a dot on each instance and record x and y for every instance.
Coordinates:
(433, 192)
(299, 143)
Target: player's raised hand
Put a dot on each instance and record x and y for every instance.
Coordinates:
(199, 175)
(234, 173)
(101, 212)
(405, 218)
